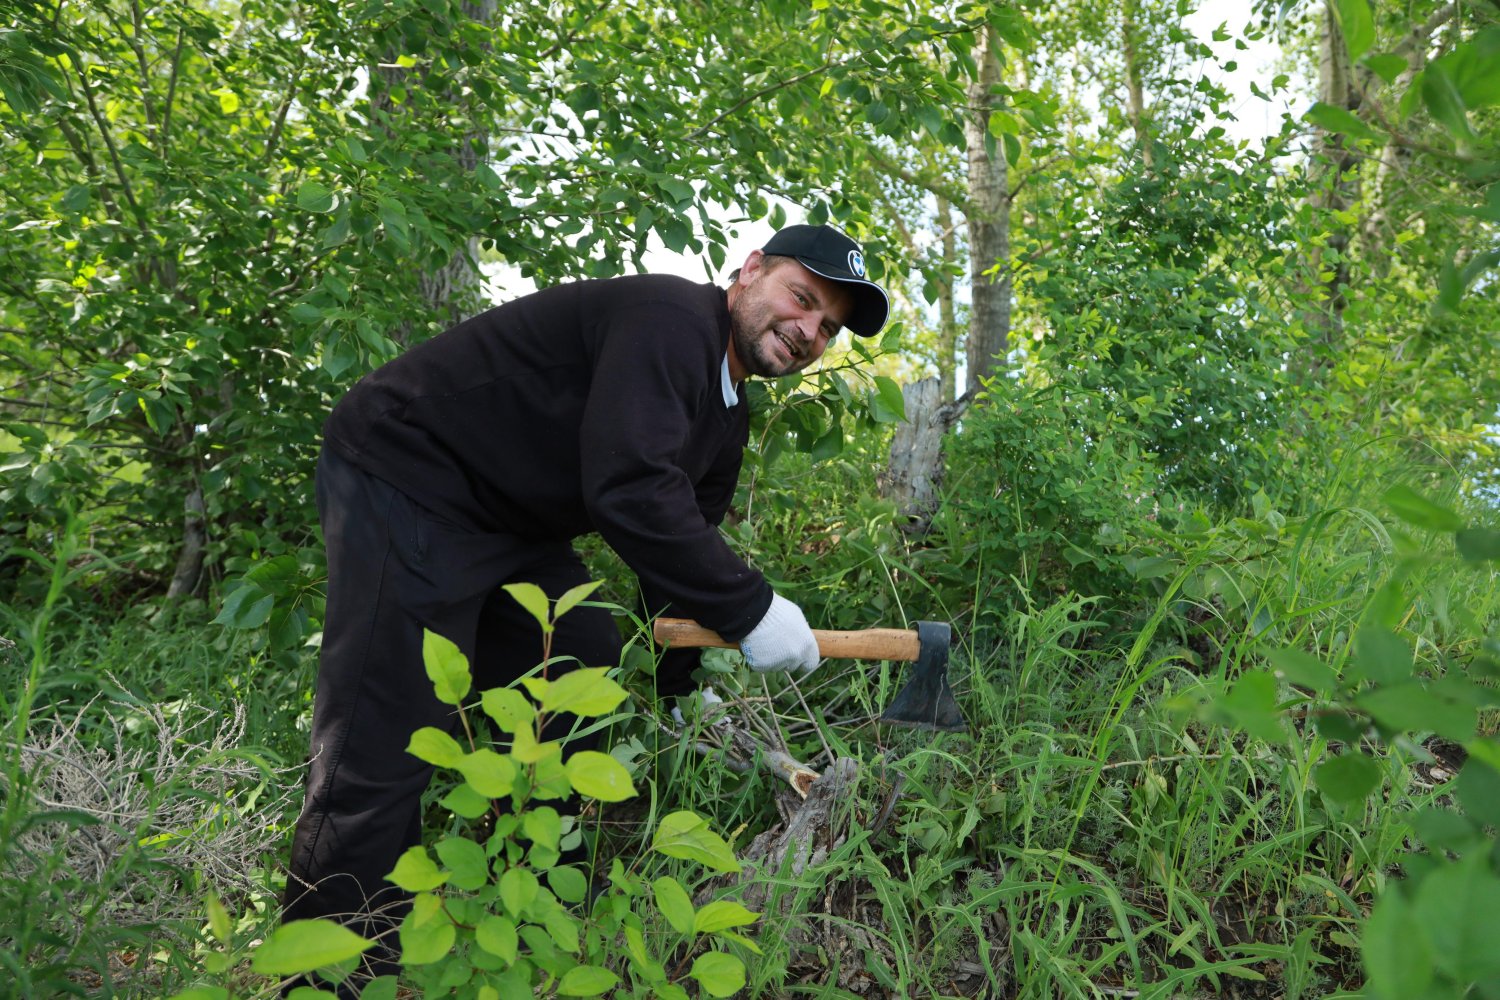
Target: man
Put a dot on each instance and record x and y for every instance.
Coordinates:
(475, 458)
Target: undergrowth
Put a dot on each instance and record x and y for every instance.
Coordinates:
(1128, 814)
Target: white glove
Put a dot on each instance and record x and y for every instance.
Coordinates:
(782, 640)
(710, 699)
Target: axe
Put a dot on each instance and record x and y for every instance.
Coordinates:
(926, 702)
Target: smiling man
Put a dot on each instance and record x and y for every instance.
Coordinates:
(475, 459)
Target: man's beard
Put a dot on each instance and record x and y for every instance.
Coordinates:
(748, 327)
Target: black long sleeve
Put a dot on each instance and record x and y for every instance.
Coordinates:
(588, 407)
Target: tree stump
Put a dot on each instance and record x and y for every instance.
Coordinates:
(915, 469)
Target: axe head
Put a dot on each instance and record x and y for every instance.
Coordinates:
(927, 701)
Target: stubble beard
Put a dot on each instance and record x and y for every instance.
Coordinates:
(750, 329)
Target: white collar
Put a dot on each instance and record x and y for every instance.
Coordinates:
(730, 390)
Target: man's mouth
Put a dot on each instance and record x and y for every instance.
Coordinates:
(788, 345)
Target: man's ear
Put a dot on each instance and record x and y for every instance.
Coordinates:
(751, 267)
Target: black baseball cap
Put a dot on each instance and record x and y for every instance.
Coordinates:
(827, 252)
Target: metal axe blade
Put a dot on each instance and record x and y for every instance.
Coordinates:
(927, 702)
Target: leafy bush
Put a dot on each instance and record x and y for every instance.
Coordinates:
(496, 913)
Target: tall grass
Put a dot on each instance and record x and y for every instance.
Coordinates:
(1108, 827)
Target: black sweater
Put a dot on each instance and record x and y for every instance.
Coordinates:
(593, 406)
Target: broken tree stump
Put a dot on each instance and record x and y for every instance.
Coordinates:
(915, 467)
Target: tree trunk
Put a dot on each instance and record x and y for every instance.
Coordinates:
(1135, 101)
(1336, 190)
(915, 469)
(947, 353)
(989, 223)
(189, 570)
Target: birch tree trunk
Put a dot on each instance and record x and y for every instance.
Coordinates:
(1135, 99)
(947, 313)
(1336, 190)
(989, 222)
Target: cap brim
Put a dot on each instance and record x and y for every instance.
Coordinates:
(871, 305)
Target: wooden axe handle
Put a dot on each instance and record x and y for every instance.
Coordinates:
(863, 644)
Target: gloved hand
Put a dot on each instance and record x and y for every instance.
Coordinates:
(782, 640)
(710, 699)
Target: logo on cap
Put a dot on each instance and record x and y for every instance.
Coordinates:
(857, 263)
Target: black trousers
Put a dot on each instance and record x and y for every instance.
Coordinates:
(394, 568)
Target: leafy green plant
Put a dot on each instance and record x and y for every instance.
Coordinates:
(496, 912)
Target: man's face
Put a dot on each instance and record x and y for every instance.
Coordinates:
(783, 316)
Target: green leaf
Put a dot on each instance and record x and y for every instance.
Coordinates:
(306, 945)
(599, 776)
(526, 750)
(674, 903)
(931, 119)
(1304, 670)
(720, 915)
(719, 974)
(1472, 66)
(1251, 704)
(830, 445)
(379, 988)
(1444, 830)
(488, 772)
(218, 919)
(497, 935)
(427, 934)
(199, 992)
(246, 607)
(509, 708)
(534, 600)
(1356, 24)
(1380, 655)
(586, 981)
(1411, 707)
(465, 861)
(563, 928)
(569, 600)
(435, 747)
(1444, 102)
(1386, 66)
(1459, 905)
(542, 826)
(1479, 791)
(229, 101)
(447, 668)
(518, 887)
(466, 802)
(1416, 510)
(314, 197)
(415, 871)
(889, 392)
(585, 691)
(568, 884)
(686, 835)
(1339, 121)
(393, 216)
(1348, 778)
(1396, 950)
(1004, 123)
(1478, 544)
(679, 191)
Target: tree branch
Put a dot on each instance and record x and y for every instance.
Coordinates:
(274, 139)
(703, 129)
(956, 196)
(114, 153)
(166, 115)
(133, 39)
